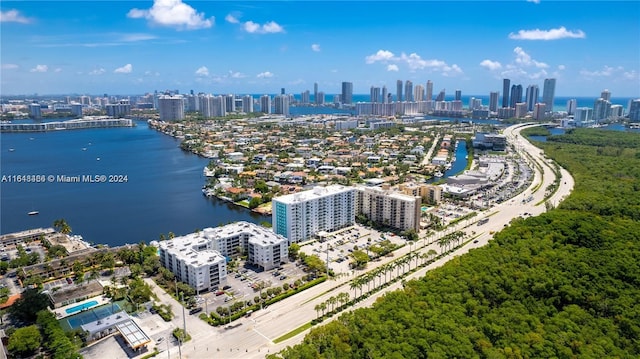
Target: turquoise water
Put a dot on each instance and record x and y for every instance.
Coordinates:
(81, 307)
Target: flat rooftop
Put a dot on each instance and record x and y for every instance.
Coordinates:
(317, 192)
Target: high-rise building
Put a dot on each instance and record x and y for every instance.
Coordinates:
(634, 110)
(393, 209)
(399, 91)
(571, 106)
(265, 104)
(539, 111)
(441, 95)
(531, 97)
(281, 105)
(506, 85)
(606, 95)
(374, 94)
(521, 109)
(549, 93)
(458, 95)
(76, 109)
(601, 109)
(429, 90)
(171, 108)
(247, 104)
(35, 111)
(516, 95)
(385, 94)
(583, 116)
(230, 102)
(120, 109)
(418, 93)
(300, 216)
(305, 97)
(408, 91)
(315, 92)
(320, 98)
(493, 101)
(347, 93)
(282, 91)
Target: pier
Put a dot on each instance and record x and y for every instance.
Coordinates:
(82, 123)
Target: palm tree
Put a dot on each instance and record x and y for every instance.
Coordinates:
(432, 253)
(332, 301)
(62, 226)
(318, 308)
(354, 285)
(323, 307)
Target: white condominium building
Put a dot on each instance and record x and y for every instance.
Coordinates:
(191, 262)
(300, 216)
(393, 209)
(199, 259)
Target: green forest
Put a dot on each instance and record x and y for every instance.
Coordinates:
(565, 284)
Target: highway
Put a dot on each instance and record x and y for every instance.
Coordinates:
(254, 337)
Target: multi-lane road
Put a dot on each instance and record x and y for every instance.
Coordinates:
(253, 338)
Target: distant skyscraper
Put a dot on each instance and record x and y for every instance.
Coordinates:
(408, 90)
(418, 93)
(506, 84)
(606, 95)
(347, 93)
(281, 105)
(305, 97)
(458, 95)
(493, 101)
(315, 92)
(583, 116)
(601, 109)
(532, 96)
(441, 95)
(35, 111)
(374, 94)
(539, 111)
(282, 91)
(171, 108)
(429, 90)
(247, 104)
(549, 93)
(571, 106)
(385, 94)
(320, 98)
(516, 95)
(230, 103)
(634, 110)
(399, 91)
(265, 104)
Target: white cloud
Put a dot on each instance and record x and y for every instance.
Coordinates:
(491, 65)
(40, 68)
(9, 66)
(137, 37)
(553, 34)
(126, 69)
(534, 1)
(173, 13)
(202, 71)
(606, 71)
(13, 15)
(315, 47)
(231, 19)
(265, 74)
(151, 73)
(57, 70)
(525, 59)
(99, 71)
(413, 61)
(381, 55)
(561, 67)
(236, 75)
(631, 75)
(269, 28)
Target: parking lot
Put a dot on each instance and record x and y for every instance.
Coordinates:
(245, 284)
(336, 247)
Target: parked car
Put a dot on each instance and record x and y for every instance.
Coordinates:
(195, 310)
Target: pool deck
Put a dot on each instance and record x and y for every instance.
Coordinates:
(62, 313)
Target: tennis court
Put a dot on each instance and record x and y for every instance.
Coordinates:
(97, 313)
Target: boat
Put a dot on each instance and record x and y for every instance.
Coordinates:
(84, 148)
(33, 213)
(98, 159)
(12, 149)
(438, 174)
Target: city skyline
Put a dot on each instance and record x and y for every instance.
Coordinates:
(261, 47)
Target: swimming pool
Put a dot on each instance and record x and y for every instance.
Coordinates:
(81, 307)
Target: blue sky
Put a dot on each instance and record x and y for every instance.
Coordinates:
(134, 47)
